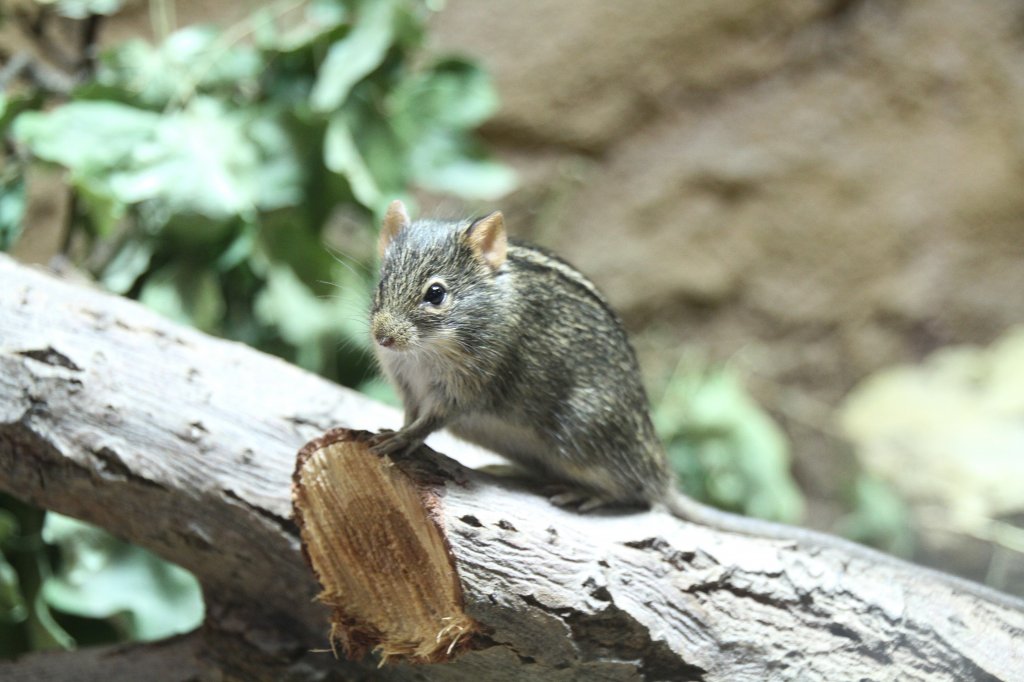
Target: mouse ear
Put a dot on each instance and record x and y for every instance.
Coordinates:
(488, 240)
(395, 220)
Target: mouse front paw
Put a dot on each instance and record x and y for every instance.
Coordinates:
(388, 442)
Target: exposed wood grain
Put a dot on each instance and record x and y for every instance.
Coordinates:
(186, 445)
(375, 545)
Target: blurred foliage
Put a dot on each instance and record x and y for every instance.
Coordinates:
(99, 576)
(880, 517)
(212, 175)
(26, 621)
(12, 185)
(948, 437)
(723, 447)
(213, 170)
(65, 583)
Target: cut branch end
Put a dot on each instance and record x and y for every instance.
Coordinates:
(379, 553)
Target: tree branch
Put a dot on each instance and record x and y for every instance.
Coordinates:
(186, 445)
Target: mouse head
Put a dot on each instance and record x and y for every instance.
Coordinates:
(439, 281)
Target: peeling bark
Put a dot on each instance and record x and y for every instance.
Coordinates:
(186, 445)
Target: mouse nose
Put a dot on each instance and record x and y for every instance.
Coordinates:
(388, 331)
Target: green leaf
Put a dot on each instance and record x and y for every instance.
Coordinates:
(880, 518)
(715, 433)
(102, 577)
(202, 160)
(282, 240)
(92, 139)
(34, 627)
(14, 103)
(87, 137)
(310, 323)
(12, 209)
(239, 251)
(385, 154)
(278, 177)
(205, 159)
(184, 294)
(9, 527)
(454, 93)
(196, 59)
(290, 306)
(46, 632)
(105, 211)
(341, 155)
(355, 56)
(12, 605)
(318, 18)
(127, 266)
(431, 113)
(440, 165)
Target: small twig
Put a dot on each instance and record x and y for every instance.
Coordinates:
(13, 67)
(35, 26)
(41, 76)
(69, 221)
(87, 50)
(51, 68)
(162, 19)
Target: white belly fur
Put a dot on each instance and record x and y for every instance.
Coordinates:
(517, 442)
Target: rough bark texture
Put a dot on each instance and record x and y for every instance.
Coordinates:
(186, 445)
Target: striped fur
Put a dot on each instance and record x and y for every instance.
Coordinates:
(527, 359)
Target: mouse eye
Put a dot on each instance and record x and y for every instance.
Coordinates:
(435, 294)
